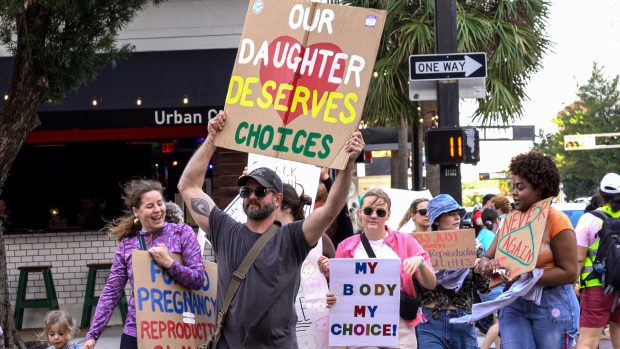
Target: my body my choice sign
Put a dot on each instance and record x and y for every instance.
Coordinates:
(300, 80)
(367, 310)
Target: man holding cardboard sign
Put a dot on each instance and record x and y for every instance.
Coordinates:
(262, 314)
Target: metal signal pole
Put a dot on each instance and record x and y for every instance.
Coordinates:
(448, 92)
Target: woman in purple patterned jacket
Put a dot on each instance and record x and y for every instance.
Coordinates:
(145, 220)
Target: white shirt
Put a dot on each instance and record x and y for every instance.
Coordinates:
(381, 249)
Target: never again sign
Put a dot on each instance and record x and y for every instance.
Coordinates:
(519, 238)
(300, 80)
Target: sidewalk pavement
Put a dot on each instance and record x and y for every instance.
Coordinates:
(111, 339)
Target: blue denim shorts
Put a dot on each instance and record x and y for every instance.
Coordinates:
(441, 334)
(551, 325)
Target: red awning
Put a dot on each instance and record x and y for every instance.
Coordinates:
(109, 134)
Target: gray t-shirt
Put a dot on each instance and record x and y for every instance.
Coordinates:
(262, 314)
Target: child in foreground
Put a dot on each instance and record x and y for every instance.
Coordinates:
(59, 328)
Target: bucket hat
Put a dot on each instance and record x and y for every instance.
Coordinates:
(440, 204)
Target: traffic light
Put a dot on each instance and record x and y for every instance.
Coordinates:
(483, 176)
(572, 145)
(452, 145)
(582, 142)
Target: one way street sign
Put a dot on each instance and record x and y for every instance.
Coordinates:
(448, 66)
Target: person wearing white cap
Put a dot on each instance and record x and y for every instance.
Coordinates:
(596, 306)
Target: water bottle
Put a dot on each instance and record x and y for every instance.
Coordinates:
(599, 267)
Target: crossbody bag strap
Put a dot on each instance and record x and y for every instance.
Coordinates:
(142, 242)
(239, 275)
(369, 251)
(602, 216)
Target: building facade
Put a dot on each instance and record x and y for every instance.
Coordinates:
(142, 118)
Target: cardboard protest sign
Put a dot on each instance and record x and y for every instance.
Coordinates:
(301, 176)
(169, 316)
(367, 310)
(519, 238)
(311, 303)
(300, 80)
(449, 249)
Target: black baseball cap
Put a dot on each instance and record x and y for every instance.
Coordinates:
(266, 177)
(487, 197)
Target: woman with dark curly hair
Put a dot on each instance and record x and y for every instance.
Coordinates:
(553, 323)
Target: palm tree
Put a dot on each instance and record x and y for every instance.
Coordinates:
(510, 32)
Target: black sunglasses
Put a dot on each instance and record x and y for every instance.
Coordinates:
(421, 211)
(260, 192)
(381, 212)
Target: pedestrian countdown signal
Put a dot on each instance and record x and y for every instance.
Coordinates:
(452, 145)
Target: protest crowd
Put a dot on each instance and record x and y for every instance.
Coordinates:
(437, 306)
(297, 266)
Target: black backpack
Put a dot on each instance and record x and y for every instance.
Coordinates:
(607, 263)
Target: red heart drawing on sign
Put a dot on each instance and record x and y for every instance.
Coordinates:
(314, 77)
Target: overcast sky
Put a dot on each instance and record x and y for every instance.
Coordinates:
(582, 33)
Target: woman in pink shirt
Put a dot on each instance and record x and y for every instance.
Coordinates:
(374, 212)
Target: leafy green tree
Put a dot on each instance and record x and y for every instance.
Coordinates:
(57, 45)
(510, 32)
(596, 111)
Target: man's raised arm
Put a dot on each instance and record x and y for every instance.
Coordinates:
(192, 179)
(321, 218)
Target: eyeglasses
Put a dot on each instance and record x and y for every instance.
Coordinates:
(381, 212)
(260, 192)
(421, 211)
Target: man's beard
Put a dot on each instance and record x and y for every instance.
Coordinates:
(260, 213)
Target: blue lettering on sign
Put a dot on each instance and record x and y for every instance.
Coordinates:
(156, 298)
(168, 301)
(168, 280)
(207, 282)
(156, 270)
(336, 329)
(143, 295)
(360, 267)
(348, 290)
